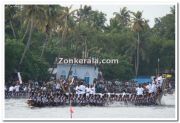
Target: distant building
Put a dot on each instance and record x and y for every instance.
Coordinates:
(143, 79)
(87, 72)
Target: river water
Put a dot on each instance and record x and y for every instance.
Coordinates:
(17, 108)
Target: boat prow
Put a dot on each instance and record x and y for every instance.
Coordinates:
(162, 92)
(30, 103)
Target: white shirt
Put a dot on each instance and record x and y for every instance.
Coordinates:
(11, 88)
(149, 88)
(17, 88)
(92, 90)
(160, 80)
(157, 83)
(25, 88)
(77, 89)
(64, 81)
(139, 91)
(57, 86)
(44, 88)
(123, 94)
(153, 88)
(88, 90)
(82, 89)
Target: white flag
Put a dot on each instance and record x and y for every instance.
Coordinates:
(19, 77)
(72, 79)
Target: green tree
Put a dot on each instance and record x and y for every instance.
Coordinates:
(138, 26)
(10, 12)
(13, 50)
(35, 15)
(52, 13)
(123, 17)
(40, 33)
(165, 26)
(65, 21)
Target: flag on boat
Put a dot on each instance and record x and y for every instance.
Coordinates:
(71, 109)
(72, 80)
(19, 77)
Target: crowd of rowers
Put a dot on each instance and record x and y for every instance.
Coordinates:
(52, 94)
(82, 95)
(98, 99)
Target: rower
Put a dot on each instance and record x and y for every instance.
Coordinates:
(139, 90)
(77, 90)
(87, 90)
(82, 89)
(139, 93)
(92, 89)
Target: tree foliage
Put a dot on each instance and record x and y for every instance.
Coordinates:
(35, 35)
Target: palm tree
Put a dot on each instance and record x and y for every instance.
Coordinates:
(84, 14)
(97, 20)
(138, 24)
(35, 15)
(10, 12)
(52, 13)
(123, 16)
(64, 19)
(83, 18)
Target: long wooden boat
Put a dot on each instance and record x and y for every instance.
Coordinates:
(126, 98)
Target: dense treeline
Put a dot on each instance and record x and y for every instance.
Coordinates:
(35, 35)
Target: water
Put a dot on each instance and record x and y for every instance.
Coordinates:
(17, 108)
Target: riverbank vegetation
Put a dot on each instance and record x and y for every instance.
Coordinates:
(35, 35)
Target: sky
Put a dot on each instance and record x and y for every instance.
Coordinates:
(150, 12)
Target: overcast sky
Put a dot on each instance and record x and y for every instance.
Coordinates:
(150, 12)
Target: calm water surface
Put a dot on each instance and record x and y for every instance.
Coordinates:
(17, 108)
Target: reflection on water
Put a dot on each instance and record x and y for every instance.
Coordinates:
(17, 108)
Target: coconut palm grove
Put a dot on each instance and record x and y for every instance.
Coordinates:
(36, 35)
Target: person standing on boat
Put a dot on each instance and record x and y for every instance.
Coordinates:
(58, 86)
(159, 81)
(154, 87)
(17, 86)
(11, 89)
(82, 89)
(77, 90)
(139, 90)
(39, 99)
(139, 93)
(44, 100)
(149, 88)
(88, 90)
(92, 89)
